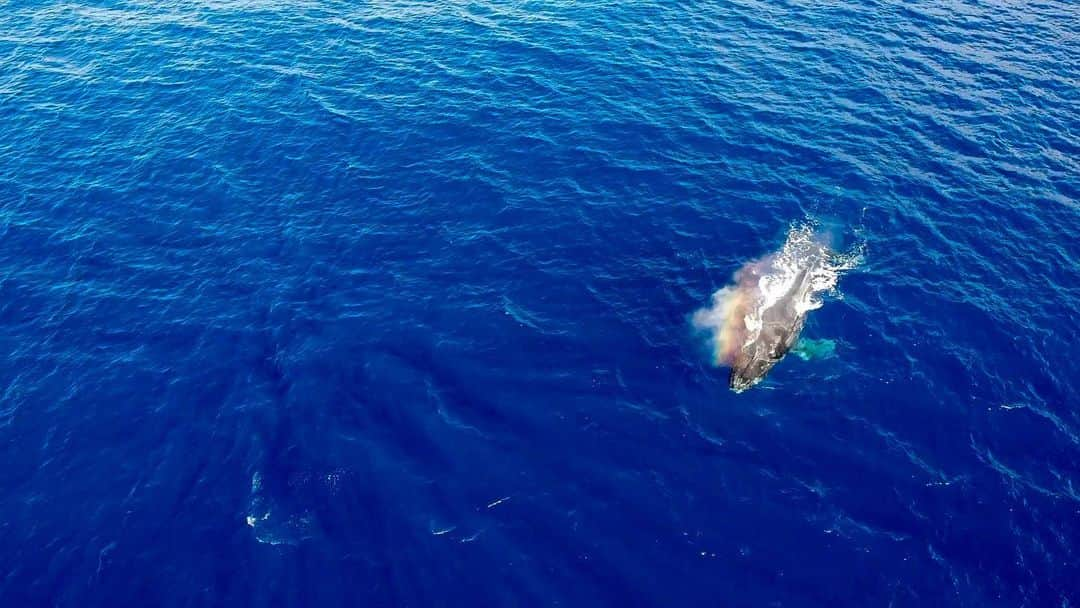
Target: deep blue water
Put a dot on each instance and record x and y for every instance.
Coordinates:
(329, 303)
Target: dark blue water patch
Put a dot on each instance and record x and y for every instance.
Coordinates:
(389, 303)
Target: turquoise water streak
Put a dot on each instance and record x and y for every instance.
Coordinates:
(330, 303)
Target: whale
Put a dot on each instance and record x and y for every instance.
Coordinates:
(780, 326)
(756, 320)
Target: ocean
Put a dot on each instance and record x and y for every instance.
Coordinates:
(390, 303)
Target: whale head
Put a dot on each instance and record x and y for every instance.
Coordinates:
(745, 377)
(752, 362)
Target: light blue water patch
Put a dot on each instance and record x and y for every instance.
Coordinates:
(809, 349)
